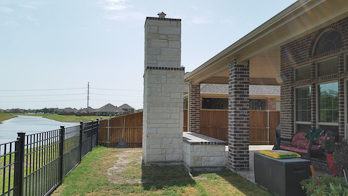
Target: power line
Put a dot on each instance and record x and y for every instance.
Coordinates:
(115, 95)
(46, 89)
(44, 101)
(113, 100)
(43, 95)
(114, 89)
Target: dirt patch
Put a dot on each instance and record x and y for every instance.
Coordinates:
(124, 158)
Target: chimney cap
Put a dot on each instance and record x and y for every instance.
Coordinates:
(161, 15)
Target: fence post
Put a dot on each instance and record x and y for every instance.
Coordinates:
(19, 167)
(97, 132)
(61, 154)
(90, 133)
(107, 134)
(268, 127)
(80, 142)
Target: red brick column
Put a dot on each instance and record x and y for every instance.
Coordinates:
(194, 108)
(238, 116)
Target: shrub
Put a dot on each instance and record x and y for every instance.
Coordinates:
(326, 185)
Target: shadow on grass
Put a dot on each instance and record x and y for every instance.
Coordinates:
(168, 177)
(241, 184)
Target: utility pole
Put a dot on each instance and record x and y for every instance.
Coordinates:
(87, 97)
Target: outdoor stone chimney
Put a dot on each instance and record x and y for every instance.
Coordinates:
(161, 15)
(163, 92)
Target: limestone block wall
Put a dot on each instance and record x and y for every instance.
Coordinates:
(163, 115)
(202, 152)
(162, 42)
(163, 92)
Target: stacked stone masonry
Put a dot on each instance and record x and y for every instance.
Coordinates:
(194, 108)
(163, 92)
(300, 53)
(238, 116)
(162, 42)
(202, 152)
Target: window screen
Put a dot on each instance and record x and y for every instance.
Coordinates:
(303, 104)
(327, 67)
(303, 73)
(328, 102)
(330, 40)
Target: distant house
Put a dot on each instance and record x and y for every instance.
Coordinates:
(70, 110)
(86, 110)
(106, 110)
(215, 96)
(119, 112)
(124, 109)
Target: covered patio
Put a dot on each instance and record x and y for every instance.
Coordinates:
(273, 54)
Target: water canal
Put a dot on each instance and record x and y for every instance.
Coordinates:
(29, 125)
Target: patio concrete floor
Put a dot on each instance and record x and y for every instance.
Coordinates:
(255, 148)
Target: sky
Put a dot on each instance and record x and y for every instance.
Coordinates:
(51, 49)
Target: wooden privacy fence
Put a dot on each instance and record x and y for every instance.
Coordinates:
(262, 125)
(214, 123)
(129, 127)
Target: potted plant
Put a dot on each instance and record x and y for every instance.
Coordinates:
(328, 144)
(340, 157)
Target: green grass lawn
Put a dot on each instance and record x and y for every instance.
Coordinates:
(91, 178)
(66, 118)
(5, 116)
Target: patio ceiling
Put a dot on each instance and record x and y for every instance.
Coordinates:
(261, 47)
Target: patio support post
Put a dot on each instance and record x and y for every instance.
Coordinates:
(238, 116)
(313, 98)
(194, 108)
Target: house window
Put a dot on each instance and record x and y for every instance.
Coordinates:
(303, 108)
(303, 104)
(328, 67)
(347, 62)
(303, 73)
(257, 104)
(329, 41)
(328, 106)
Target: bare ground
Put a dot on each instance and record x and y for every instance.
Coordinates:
(124, 158)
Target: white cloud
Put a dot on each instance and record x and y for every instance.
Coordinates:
(30, 18)
(27, 6)
(9, 23)
(114, 4)
(126, 16)
(228, 21)
(202, 20)
(6, 9)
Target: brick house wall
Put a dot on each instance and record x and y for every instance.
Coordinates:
(300, 52)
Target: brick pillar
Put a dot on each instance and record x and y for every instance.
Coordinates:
(238, 116)
(313, 98)
(286, 96)
(341, 96)
(194, 108)
(271, 103)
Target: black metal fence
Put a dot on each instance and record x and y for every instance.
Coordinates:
(36, 164)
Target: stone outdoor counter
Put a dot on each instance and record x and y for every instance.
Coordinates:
(203, 153)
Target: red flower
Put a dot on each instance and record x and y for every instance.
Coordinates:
(318, 183)
(312, 191)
